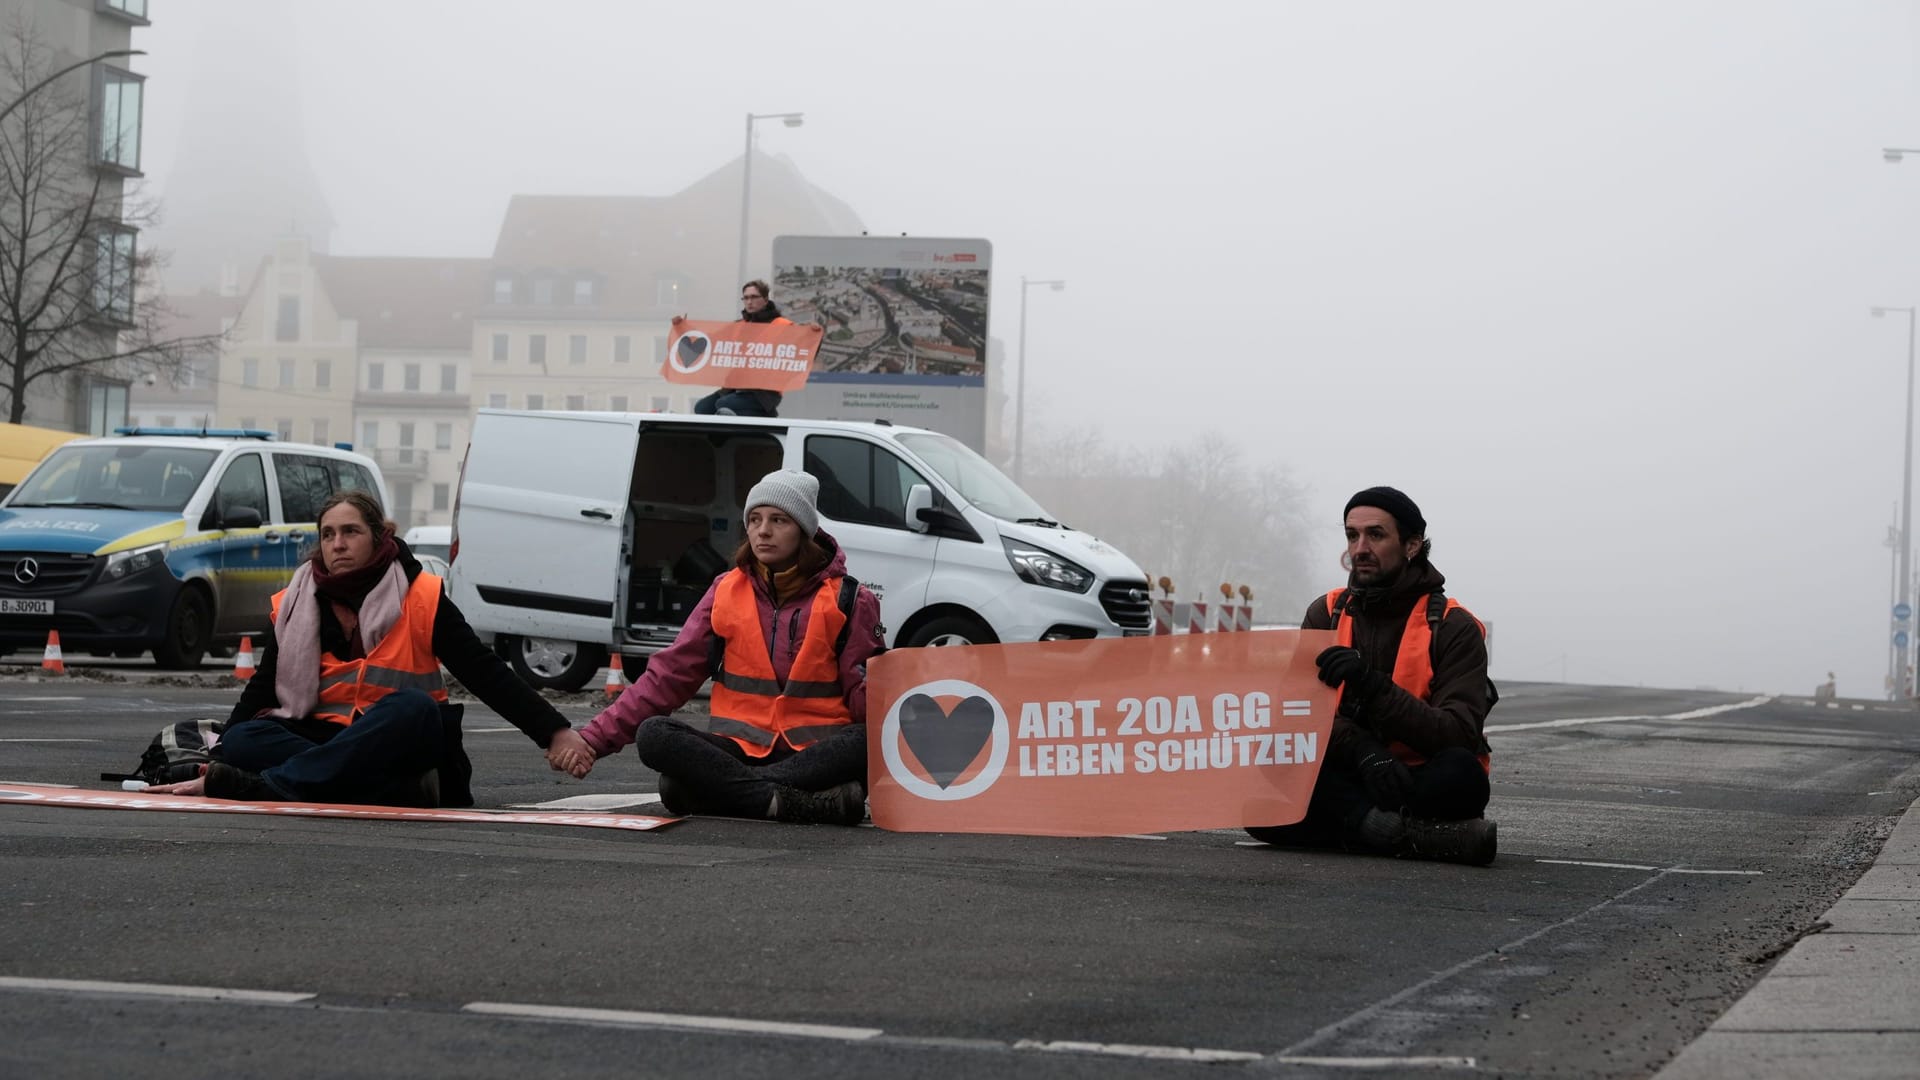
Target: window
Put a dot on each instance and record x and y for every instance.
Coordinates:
(536, 348)
(402, 504)
(617, 402)
(496, 401)
(133, 10)
(442, 496)
(286, 326)
(305, 484)
(543, 291)
(350, 477)
(536, 401)
(193, 374)
(576, 348)
(283, 429)
(622, 349)
(320, 431)
(410, 376)
(249, 372)
(113, 275)
(242, 487)
(582, 291)
(503, 288)
(576, 403)
(661, 403)
(499, 348)
(323, 374)
(286, 373)
(660, 350)
(117, 117)
(106, 404)
(406, 442)
(443, 436)
(449, 378)
(370, 433)
(859, 481)
(376, 376)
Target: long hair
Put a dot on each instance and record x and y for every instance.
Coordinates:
(370, 512)
(813, 557)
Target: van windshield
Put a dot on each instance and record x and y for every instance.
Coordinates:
(975, 478)
(156, 478)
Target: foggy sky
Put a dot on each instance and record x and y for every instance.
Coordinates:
(1589, 281)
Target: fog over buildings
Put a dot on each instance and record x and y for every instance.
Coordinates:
(1589, 281)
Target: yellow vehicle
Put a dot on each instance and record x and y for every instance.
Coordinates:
(22, 447)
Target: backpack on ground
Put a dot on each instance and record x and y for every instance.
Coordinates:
(176, 753)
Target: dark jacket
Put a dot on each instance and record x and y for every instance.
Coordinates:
(1455, 710)
(674, 673)
(460, 651)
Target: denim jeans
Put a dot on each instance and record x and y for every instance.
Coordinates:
(377, 759)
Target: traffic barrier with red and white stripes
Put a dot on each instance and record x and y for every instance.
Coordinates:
(1163, 616)
(1197, 617)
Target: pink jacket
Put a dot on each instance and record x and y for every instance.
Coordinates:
(676, 672)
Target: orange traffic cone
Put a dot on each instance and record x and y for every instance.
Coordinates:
(50, 662)
(616, 677)
(243, 660)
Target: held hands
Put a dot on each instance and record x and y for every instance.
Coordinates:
(570, 754)
(1343, 665)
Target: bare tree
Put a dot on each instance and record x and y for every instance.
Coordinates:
(1197, 513)
(77, 294)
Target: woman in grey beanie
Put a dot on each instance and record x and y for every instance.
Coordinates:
(785, 635)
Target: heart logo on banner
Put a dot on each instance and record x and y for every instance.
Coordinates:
(691, 352)
(946, 742)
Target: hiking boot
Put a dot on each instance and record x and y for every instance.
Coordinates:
(1473, 841)
(842, 804)
(227, 782)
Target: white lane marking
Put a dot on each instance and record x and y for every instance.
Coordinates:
(590, 802)
(52, 740)
(1157, 1053)
(1380, 1062)
(46, 699)
(1658, 869)
(1574, 721)
(37, 783)
(680, 1021)
(1140, 836)
(211, 993)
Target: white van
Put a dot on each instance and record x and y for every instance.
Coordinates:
(579, 533)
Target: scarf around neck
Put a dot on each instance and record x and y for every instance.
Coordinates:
(376, 591)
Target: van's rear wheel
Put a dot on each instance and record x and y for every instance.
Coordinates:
(952, 630)
(189, 629)
(552, 664)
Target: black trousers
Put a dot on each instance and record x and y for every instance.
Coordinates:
(719, 778)
(1450, 786)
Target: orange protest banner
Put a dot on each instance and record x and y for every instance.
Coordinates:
(1102, 737)
(754, 356)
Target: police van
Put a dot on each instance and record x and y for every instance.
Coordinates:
(164, 540)
(576, 535)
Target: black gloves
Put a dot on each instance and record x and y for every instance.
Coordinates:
(1388, 781)
(1343, 665)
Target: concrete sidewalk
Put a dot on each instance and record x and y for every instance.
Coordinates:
(1841, 1003)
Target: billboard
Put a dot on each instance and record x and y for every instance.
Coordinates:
(905, 329)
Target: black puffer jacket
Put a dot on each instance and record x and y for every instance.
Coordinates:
(1455, 710)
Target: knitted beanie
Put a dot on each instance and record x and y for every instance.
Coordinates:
(795, 493)
(1396, 504)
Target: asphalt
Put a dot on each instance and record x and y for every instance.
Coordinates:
(1844, 1001)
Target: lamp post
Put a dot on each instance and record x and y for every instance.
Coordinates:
(1020, 390)
(791, 119)
(1902, 690)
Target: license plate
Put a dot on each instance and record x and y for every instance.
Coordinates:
(25, 607)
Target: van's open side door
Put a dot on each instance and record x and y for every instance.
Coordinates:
(542, 506)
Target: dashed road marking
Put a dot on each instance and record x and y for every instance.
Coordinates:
(1652, 869)
(1576, 721)
(198, 993)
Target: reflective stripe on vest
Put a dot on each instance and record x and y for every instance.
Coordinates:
(404, 659)
(749, 705)
(1412, 664)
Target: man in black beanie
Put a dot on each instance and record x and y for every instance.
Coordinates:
(1405, 770)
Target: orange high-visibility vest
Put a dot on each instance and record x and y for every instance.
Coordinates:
(403, 660)
(749, 705)
(1412, 665)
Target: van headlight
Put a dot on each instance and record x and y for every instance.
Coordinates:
(132, 561)
(1037, 566)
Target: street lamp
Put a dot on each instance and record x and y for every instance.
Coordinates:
(1020, 392)
(1903, 691)
(791, 119)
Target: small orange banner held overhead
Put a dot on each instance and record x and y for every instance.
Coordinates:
(741, 355)
(1101, 737)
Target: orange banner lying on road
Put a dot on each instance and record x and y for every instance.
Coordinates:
(1103, 737)
(742, 355)
(40, 795)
